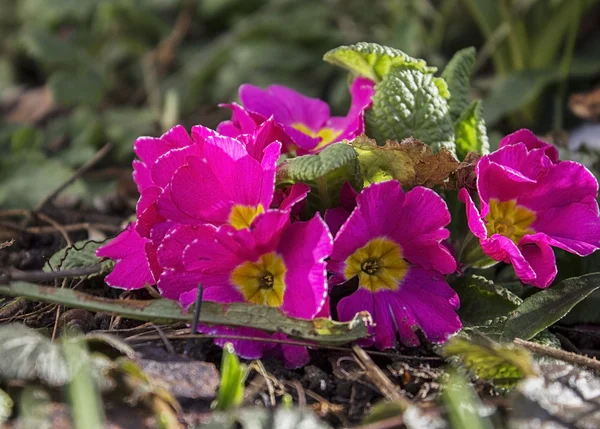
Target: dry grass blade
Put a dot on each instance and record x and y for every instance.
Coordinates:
(388, 389)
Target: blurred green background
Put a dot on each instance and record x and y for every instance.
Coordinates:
(75, 74)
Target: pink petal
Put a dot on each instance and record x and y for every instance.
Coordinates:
(246, 349)
(427, 214)
(132, 270)
(432, 303)
(532, 142)
(304, 247)
(141, 176)
(148, 149)
(296, 193)
(167, 164)
(540, 257)
(285, 105)
(474, 220)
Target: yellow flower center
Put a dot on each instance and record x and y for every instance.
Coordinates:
(508, 219)
(378, 265)
(242, 216)
(327, 135)
(261, 281)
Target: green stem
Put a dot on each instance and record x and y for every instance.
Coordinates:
(565, 65)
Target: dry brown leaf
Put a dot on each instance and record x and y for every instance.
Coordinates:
(30, 106)
(411, 162)
(586, 105)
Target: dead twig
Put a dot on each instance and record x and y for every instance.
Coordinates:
(184, 335)
(81, 171)
(43, 276)
(563, 355)
(388, 389)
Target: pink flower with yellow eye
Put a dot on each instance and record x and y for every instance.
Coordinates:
(392, 243)
(274, 263)
(530, 201)
(307, 121)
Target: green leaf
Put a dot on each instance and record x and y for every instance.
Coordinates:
(470, 132)
(325, 173)
(500, 364)
(6, 406)
(408, 103)
(544, 308)
(35, 408)
(51, 50)
(33, 179)
(481, 300)
(260, 418)
(73, 88)
(374, 61)
(269, 319)
(457, 75)
(27, 355)
(83, 393)
(233, 377)
(509, 93)
(463, 404)
(81, 254)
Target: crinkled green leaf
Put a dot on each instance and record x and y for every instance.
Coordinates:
(501, 364)
(233, 378)
(544, 308)
(81, 254)
(470, 132)
(457, 75)
(408, 103)
(325, 173)
(481, 300)
(73, 88)
(374, 61)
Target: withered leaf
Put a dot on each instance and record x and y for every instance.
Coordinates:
(411, 162)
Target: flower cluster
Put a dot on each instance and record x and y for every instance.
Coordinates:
(209, 213)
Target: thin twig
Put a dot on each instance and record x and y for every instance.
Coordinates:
(559, 354)
(141, 337)
(82, 170)
(56, 225)
(194, 327)
(43, 276)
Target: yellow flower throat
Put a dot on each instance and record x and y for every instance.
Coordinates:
(508, 219)
(327, 135)
(261, 281)
(241, 216)
(379, 265)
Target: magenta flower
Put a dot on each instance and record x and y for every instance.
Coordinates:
(392, 242)
(307, 121)
(274, 262)
(531, 201)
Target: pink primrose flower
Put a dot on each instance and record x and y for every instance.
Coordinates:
(306, 121)
(273, 262)
(530, 201)
(392, 241)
